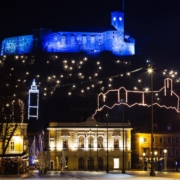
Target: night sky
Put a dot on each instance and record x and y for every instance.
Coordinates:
(155, 25)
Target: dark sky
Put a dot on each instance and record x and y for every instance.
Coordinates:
(154, 24)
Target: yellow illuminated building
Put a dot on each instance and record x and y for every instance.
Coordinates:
(166, 146)
(86, 147)
(13, 147)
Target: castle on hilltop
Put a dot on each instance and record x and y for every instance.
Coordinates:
(92, 43)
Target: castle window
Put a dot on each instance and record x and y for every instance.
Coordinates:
(114, 18)
(160, 140)
(120, 18)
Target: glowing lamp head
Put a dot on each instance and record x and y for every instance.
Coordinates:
(165, 151)
(155, 152)
(150, 70)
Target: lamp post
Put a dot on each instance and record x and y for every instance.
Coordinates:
(97, 148)
(155, 153)
(107, 163)
(123, 158)
(90, 150)
(85, 152)
(150, 70)
(165, 159)
(144, 154)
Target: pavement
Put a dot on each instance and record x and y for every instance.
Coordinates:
(87, 175)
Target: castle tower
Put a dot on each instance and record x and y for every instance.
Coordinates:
(117, 20)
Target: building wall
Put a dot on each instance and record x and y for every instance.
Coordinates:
(142, 143)
(18, 143)
(59, 132)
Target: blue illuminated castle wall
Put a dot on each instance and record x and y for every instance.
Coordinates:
(113, 40)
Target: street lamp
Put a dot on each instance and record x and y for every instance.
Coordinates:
(97, 148)
(150, 71)
(123, 159)
(155, 153)
(90, 150)
(165, 159)
(145, 168)
(107, 163)
(85, 151)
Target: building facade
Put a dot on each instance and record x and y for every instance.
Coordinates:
(87, 147)
(14, 148)
(114, 40)
(166, 145)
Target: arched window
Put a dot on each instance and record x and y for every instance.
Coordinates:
(65, 143)
(90, 142)
(81, 142)
(116, 143)
(100, 142)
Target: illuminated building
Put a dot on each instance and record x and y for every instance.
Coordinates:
(14, 151)
(166, 142)
(114, 40)
(82, 149)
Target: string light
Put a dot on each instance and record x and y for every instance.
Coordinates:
(168, 84)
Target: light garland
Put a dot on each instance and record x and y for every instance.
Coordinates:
(168, 84)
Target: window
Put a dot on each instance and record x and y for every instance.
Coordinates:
(100, 142)
(169, 140)
(177, 140)
(65, 143)
(90, 142)
(169, 152)
(153, 139)
(81, 142)
(11, 145)
(160, 140)
(116, 143)
(161, 151)
(177, 152)
(144, 139)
